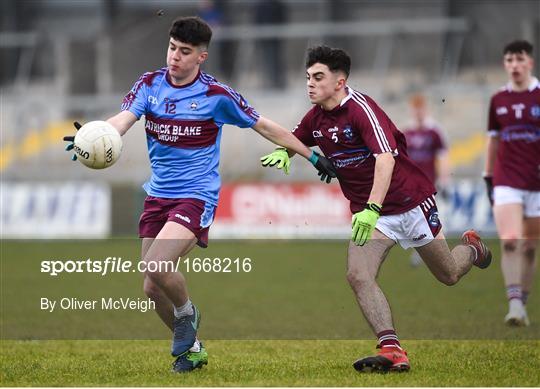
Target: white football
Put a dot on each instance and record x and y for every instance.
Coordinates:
(97, 144)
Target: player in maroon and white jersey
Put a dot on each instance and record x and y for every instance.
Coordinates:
(512, 175)
(391, 199)
(426, 146)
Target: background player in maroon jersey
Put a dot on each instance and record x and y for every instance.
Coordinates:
(426, 146)
(425, 142)
(390, 198)
(512, 175)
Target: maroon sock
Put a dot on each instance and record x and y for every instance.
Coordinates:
(388, 338)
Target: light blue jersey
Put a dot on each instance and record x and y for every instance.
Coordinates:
(183, 131)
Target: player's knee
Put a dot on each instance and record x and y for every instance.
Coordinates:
(155, 277)
(449, 279)
(452, 280)
(529, 251)
(510, 244)
(151, 290)
(358, 279)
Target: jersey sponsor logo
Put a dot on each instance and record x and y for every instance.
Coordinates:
(182, 133)
(342, 159)
(501, 110)
(535, 111)
(419, 141)
(170, 132)
(526, 133)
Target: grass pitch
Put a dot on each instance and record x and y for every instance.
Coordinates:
(261, 328)
(267, 363)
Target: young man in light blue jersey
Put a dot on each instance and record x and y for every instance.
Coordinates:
(185, 109)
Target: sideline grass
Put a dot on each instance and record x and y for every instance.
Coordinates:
(266, 363)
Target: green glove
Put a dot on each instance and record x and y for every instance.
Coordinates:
(363, 223)
(280, 157)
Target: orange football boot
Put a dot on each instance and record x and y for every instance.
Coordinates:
(483, 254)
(389, 358)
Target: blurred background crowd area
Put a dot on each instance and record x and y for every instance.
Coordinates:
(74, 60)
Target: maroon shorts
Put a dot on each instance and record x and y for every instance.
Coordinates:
(194, 214)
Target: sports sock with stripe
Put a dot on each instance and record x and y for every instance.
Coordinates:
(388, 338)
(514, 292)
(184, 310)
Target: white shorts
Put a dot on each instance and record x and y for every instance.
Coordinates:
(414, 228)
(528, 198)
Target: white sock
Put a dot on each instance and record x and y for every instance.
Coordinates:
(196, 346)
(184, 310)
(515, 304)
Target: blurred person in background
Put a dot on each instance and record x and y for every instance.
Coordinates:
(426, 146)
(512, 175)
(391, 200)
(184, 111)
(215, 13)
(271, 12)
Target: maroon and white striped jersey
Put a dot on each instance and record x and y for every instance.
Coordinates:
(351, 135)
(514, 117)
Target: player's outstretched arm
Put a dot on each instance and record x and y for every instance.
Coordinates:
(123, 121)
(281, 136)
(290, 145)
(364, 222)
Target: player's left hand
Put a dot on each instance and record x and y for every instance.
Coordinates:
(324, 166)
(489, 188)
(71, 140)
(278, 157)
(363, 223)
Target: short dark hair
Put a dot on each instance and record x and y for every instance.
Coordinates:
(518, 46)
(335, 59)
(192, 30)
